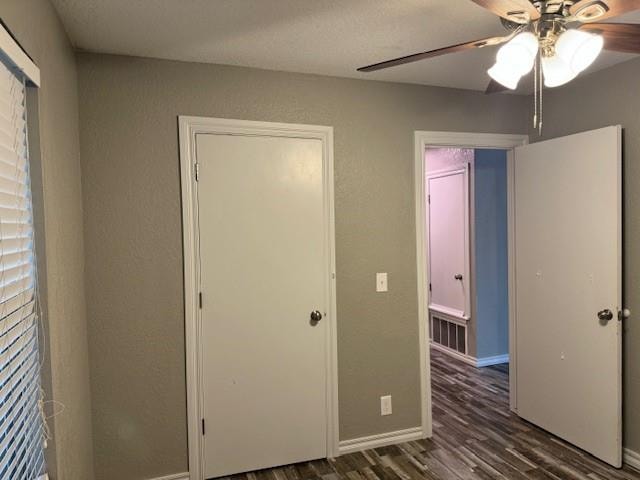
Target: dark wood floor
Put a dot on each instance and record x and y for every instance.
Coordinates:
(475, 436)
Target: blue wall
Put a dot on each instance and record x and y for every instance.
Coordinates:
(491, 255)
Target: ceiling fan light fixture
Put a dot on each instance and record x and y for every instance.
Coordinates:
(556, 71)
(519, 53)
(505, 75)
(579, 49)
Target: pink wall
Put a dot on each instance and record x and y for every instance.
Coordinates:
(448, 158)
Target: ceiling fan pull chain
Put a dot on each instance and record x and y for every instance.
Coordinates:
(535, 95)
(540, 82)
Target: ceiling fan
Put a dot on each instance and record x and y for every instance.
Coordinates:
(556, 38)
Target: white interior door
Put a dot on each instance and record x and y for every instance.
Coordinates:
(263, 271)
(568, 268)
(449, 242)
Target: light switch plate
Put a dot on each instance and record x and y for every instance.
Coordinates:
(385, 405)
(381, 282)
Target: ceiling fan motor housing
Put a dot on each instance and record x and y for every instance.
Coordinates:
(509, 25)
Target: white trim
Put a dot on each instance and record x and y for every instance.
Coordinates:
(18, 59)
(450, 312)
(422, 139)
(471, 140)
(632, 458)
(423, 284)
(381, 440)
(468, 359)
(446, 172)
(511, 272)
(488, 361)
(175, 476)
(189, 127)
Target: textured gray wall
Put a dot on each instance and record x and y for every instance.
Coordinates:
(58, 204)
(610, 97)
(129, 146)
(491, 253)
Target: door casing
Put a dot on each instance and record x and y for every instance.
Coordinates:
(423, 140)
(189, 128)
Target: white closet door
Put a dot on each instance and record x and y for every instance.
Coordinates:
(263, 253)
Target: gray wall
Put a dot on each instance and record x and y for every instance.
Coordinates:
(58, 213)
(129, 146)
(610, 97)
(491, 253)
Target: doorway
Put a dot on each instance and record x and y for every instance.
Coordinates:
(468, 254)
(260, 294)
(471, 142)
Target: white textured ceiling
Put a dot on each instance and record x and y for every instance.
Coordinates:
(328, 37)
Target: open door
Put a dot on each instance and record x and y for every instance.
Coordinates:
(569, 289)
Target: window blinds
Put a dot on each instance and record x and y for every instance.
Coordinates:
(21, 425)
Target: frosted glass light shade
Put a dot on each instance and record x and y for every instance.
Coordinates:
(579, 49)
(519, 53)
(556, 71)
(505, 75)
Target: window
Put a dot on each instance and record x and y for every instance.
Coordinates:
(21, 424)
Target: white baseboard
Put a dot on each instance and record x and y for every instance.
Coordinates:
(460, 356)
(488, 361)
(175, 476)
(469, 360)
(631, 458)
(380, 440)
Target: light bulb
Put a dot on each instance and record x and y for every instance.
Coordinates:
(505, 75)
(579, 49)
(556, 71)
(519, 53)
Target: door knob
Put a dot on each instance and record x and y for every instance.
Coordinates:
(605, 315)
(458, 276)
(316, 316)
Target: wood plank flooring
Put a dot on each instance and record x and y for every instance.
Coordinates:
(475, 437)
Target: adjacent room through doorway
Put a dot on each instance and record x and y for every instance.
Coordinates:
(468, 254)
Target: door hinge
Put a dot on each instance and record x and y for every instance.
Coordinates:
(429, 199)
(429, 286)
(200, 300)
(197, 171)
(203, 426)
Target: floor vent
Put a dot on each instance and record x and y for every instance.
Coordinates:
(448, 334)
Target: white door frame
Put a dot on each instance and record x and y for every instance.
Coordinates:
(424, 139)
(189, 128)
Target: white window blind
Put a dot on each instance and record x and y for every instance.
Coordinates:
(21, 424)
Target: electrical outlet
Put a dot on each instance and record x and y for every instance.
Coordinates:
(381, 282)
(385, 405)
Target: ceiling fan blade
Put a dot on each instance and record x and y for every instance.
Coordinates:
(619, 37)
(519, 11)
(434, 53)
(494, 87)
(597, 10)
